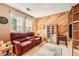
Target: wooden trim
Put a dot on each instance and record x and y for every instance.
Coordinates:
(52, 14)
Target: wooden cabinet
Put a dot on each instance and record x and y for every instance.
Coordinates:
(74, 22)
(76, 17)
(52, 33)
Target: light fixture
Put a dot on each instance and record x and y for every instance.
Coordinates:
(38, 32)
(28, 9)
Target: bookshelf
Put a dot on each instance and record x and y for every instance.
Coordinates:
(52, 31)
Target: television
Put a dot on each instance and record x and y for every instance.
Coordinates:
(70, 31)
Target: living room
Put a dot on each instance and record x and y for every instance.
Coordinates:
(43, 31)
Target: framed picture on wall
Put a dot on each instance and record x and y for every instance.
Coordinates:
(42, 26)
(3, 20)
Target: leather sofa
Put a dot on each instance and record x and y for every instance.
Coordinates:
(23, 42)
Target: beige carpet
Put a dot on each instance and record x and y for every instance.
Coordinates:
(35, 49)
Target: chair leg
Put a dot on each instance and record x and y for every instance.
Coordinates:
(66, 43)
(57, 42)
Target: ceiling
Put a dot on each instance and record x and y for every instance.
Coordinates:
(42, 9)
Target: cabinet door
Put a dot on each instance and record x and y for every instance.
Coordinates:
(76, 44)
(50, 31)
(76, 26)
(76, 35)
(76, 17)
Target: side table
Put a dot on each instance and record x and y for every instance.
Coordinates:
(6, 50)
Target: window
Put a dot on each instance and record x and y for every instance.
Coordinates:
(20, 24)
(16, 23)
(28, 25)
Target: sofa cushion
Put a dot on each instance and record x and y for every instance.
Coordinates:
(21, 39)
(28, 37)
(17, 35)
(37, 38)
(30, 34)
(25, 43)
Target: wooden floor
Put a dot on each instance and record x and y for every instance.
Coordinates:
(35, 49)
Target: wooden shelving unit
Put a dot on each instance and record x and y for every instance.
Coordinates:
(52, 31)
(73, 22)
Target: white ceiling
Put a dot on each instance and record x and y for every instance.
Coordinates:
(42, 9)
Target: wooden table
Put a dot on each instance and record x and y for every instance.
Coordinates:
(4, 49)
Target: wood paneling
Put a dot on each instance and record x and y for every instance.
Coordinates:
(61, 19)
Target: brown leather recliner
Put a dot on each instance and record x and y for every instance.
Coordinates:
(23, 42)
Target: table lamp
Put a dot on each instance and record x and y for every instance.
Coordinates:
(1, 42)
(38, 32)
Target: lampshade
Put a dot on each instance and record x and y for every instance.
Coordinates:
(38, 32)
(1, 42)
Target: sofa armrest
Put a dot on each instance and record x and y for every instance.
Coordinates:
(17, 47)
(37, 37)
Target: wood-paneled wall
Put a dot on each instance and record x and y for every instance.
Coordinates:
(61, 19)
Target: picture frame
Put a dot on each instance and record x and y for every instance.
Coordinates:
(3, 20)
(42, 26)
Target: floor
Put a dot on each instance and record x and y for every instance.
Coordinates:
(35, 49)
